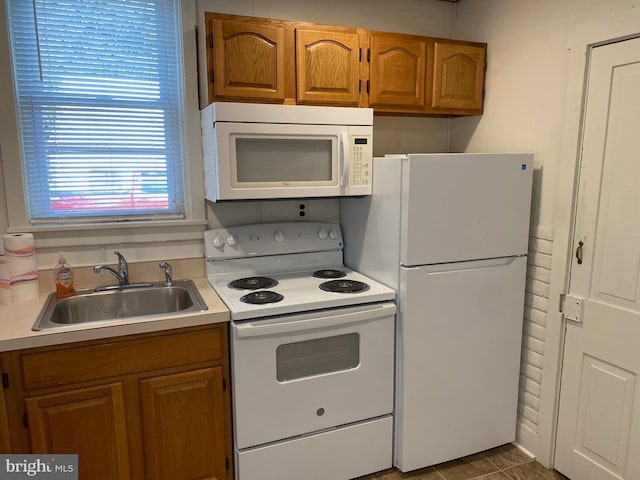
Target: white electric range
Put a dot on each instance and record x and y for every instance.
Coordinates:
(312, 345)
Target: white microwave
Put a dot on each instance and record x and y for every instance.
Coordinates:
(259, 151)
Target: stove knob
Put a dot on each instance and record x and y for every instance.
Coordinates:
(232, 240)
(278, 236)
(218, 241)
(322, 234)
(333, 234)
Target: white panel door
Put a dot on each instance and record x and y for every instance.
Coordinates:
(598, 435)
(459, 341)
(458, 207)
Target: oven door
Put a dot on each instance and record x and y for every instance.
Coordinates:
(298, 374)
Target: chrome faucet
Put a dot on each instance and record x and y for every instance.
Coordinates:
(122, 274)
(167, 273)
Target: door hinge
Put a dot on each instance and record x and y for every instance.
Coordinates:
(5, 380)
(572, 307)
(368, 55)
(359, 86)
(226, 463)
(368, 85)
(210, 40)
(224, 384)
(25, 420)
(360, 55)
(212, 77)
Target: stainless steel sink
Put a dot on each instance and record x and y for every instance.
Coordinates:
(120, 304)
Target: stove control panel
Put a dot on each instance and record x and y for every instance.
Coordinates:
(264, 239)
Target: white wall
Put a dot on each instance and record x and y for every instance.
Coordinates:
(532, 104)
(4, 222)
(420, 17)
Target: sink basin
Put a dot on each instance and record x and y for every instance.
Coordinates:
(120, 304)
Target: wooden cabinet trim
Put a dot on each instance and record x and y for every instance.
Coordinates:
(77, 362)
(5, 439)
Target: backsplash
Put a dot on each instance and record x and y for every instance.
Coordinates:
(84, 277)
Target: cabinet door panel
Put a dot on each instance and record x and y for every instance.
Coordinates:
(328, 67)
(398, 70)
(249, 60)
(89, 422)
(5, 440)
(458, 76)
(183, 425)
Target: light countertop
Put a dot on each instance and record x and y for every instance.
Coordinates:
(17, 319)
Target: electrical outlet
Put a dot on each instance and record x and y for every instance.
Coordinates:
(303, 210)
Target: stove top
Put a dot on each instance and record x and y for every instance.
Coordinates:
(254, 282)
(297, 291)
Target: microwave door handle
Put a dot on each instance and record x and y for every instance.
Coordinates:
(344, 162)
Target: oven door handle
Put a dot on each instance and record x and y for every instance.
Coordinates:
(315, 321)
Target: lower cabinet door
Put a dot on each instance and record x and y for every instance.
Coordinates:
(89, 422)
(5, 439)
(183, 425)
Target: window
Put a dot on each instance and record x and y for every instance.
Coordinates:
(100, 104)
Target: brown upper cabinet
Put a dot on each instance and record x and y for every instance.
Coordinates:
(398, 71)
(328, 65)
(276, 61)
(458, 76)
(248, 60)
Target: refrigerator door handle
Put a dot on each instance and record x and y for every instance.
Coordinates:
(470, 264)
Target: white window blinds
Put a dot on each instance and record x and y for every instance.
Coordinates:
(99, 89)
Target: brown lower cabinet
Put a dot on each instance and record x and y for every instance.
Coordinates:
(5, 438)
(152, 406)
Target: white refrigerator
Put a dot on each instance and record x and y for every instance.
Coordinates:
(449, 232)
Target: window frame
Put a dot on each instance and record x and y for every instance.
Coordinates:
(13, 169)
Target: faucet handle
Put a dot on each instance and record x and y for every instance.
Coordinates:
(168, 272)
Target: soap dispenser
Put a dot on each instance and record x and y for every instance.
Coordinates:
(63, 278)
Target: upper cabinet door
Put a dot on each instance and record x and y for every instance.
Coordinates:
(249, 60)
(458, 75)
(397, 70)
(328, 66)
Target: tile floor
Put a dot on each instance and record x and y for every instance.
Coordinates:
(502, 463)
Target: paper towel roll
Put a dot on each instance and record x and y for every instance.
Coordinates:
(5, 286)
(20, 252)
